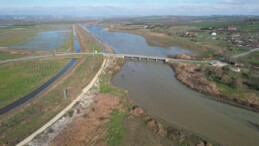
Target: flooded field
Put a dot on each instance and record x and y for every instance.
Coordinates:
(46, 84)
(47, 40)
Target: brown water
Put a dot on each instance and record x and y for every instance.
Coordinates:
(154, 86)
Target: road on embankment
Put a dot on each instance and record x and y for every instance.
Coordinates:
(105, 55)
(37, 91)
(60, 114)
(246, 53)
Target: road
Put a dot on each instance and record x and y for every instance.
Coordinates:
(246, 53)
(104, 54)
(59, 115)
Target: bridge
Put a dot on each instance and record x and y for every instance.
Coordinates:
(107, 55)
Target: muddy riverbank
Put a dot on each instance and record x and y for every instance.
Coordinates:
(94, 121)
(194, 77)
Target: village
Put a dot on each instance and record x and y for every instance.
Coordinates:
(231, 34)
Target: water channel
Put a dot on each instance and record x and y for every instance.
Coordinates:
(154, 87)
(34, 93)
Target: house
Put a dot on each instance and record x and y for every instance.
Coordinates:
(217, 63)
(220, 28)
(232, 28)
(235, 35)
(213, 34)
(146, 26)
(235, 69)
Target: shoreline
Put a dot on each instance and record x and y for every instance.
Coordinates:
(219, 97)
(109, 49)
(67, 129)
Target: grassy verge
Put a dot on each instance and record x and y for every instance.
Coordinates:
(5, 56)
(251, 58)
(20, 124)
(87, 42)
(116, 129)
(18, 79)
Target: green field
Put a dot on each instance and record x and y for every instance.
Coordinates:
(16, 127)
(4, 56)
(252, 58)
(18, 79)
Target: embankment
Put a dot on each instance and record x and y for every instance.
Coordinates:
(193, 77)
(59, 115)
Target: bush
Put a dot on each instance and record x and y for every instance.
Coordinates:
(225, 79)
(238, 83)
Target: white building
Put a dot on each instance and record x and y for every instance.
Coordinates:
(213, 34)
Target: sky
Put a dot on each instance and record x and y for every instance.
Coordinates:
(129, 7)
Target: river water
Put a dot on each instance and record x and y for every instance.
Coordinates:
(125, 43)
(153, 86)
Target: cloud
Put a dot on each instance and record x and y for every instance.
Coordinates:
(224, 7)
(239, 1)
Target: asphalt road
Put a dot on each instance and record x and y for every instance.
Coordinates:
(104, 54)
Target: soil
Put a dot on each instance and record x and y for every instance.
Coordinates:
(81, 39)
(138, 134)
(180, 56)
(89, 128)
(188, 75)
(142, 126)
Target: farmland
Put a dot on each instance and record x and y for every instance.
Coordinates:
(21, 78)
(22, 122)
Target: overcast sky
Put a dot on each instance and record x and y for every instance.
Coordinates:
(129, 7)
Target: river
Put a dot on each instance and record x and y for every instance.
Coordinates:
(154, 87)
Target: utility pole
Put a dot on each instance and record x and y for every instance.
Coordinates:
(65, 93)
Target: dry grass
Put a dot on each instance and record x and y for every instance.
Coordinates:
(90, 128)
